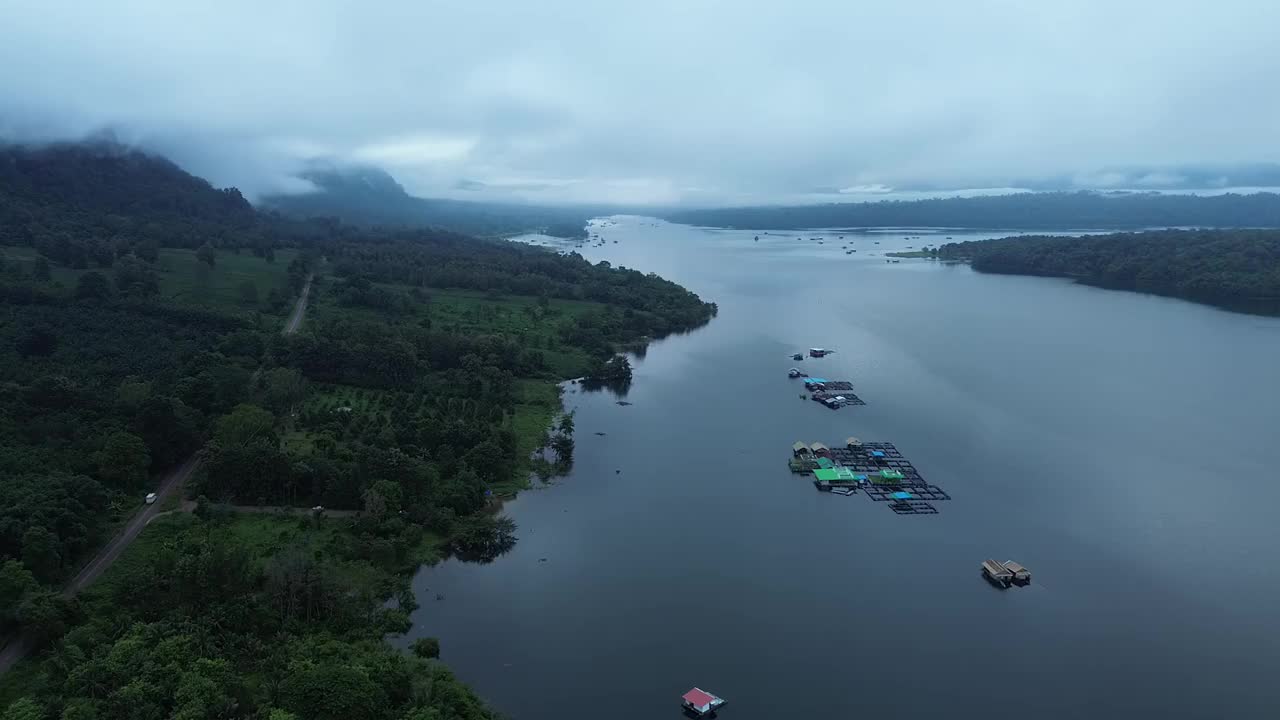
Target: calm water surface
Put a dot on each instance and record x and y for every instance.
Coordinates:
(1123, 447)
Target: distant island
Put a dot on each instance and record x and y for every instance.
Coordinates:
(1234, 269)
(1024, 211)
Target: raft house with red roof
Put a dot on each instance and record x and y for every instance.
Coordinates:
(701, 703)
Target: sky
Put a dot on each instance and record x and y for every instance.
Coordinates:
(663, 101)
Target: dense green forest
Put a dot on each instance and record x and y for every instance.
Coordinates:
(370, 197)
(140, 316)
(217, 616)
(1029, 211)
(1239, 269)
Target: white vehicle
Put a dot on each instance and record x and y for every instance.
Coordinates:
(151, 498)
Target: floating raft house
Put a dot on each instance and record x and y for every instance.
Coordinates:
(700, 702)
(996, 572)
(887, 477)
(1021, 575)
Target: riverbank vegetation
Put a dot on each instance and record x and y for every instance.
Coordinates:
(416, 392)
(1238, 269)
(1029, 211)
(927, 252)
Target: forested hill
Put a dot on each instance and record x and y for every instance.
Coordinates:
(371, 197)
(102, 191)
(1239, 269)
(1029, 211)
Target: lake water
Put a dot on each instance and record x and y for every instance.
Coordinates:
(1123, 447)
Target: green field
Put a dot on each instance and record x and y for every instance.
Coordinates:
(517, 316)
(469, 311)
(186, 279)
(371, 412)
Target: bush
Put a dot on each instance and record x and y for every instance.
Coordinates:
(427, 647)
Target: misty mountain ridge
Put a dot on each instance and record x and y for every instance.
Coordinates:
(363, 180)
(370, 196)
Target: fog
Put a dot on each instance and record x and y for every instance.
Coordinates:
(663, 101)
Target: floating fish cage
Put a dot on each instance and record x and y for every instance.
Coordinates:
(843, 398)
(882, 493)
(877, 468)
(913, 507)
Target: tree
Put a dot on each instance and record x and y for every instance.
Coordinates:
(93, 286)
(134, 277)
(206, 254)
(132, 393)
(16, 582)
(614, 372)
(332, 690)
(482, 538)
(563, 446)
(427, 647)
(169, 427)
(123, 460)
(37, 341)
(45, 614)
(244, 425)
(40, 553)
(79, 709)
(383, 498)
(283, 388)
(23, 709)
(40, 269)
(147, 251)
(249, 292)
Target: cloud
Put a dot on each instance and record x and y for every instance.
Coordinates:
(660, 101)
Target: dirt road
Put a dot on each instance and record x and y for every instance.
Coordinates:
(18, 646)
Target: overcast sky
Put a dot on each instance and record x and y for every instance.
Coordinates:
(662, 101)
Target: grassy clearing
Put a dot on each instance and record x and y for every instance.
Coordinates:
(186, 279)
(538, 405)
(517, 316)
(183, 277)
(373, 405)
(267, 533)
